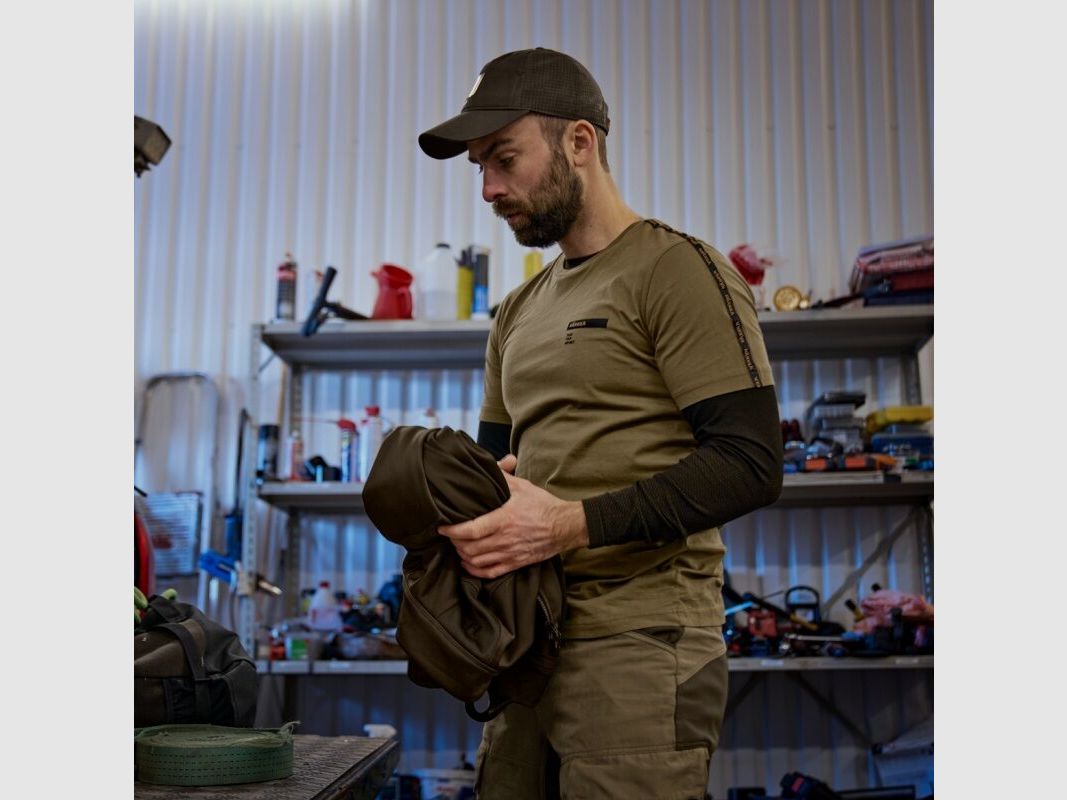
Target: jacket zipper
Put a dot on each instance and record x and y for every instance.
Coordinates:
(557, 640)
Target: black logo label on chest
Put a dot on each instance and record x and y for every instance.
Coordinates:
(596, 322)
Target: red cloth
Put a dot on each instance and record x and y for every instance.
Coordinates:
(877, 609)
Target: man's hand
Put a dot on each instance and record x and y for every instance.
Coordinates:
(533, 525)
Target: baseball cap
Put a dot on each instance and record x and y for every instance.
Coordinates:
(540, 80)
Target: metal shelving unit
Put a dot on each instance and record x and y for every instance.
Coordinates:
(798, 491)
(875, 332)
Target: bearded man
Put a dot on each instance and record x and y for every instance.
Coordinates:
(630, 402)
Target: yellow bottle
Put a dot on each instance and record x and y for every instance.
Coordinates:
(464, 289)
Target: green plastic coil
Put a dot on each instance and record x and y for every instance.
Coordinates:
(212, 755)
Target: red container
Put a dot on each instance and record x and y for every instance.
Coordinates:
(394, 293)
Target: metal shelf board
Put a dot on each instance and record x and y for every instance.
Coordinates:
(847, 333)
(815, 664)
(380, 344)
(861, 488)
(330, 497)
(358, 667)
(290, 667)
(411, 344)
(855, 489)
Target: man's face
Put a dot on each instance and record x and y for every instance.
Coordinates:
(529, 181)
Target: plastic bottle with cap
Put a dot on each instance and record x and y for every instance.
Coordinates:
(371, 433)
(435, 285)
(323, 612)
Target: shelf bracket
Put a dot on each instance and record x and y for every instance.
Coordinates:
(754, 679)
(830, 709)
(881, 550)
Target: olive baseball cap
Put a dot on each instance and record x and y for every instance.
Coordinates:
(539, 80)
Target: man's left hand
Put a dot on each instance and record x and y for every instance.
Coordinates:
(533, 525)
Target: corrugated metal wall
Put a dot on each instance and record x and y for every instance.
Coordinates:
(804, 127)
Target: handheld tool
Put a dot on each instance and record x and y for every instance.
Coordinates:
(321, 309)
(761, 603)
(803, 601)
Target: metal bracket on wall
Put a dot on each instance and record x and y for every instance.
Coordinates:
(826, 705)
(913, 517)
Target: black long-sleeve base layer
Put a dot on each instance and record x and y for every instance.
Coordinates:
(736, 468)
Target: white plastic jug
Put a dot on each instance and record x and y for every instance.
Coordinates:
(323, 613)
(435, 285)
(372, 430)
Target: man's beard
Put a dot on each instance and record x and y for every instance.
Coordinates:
(552, 207)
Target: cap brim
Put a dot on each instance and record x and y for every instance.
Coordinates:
(450, 138)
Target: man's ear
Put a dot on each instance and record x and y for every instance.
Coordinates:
(583, 143)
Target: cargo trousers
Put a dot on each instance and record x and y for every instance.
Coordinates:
(633, 715)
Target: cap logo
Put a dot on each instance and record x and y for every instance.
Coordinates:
(477, 83)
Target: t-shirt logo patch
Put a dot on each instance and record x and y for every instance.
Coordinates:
(573, 325)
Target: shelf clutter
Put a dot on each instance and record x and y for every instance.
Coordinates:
(895, 273)
(839, 457)
(892, 439)
(762, 643)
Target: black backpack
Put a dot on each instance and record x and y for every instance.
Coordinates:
(187, 668)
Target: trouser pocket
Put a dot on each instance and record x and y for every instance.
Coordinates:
(656, 774)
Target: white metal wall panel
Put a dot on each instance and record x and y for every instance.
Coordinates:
(804, 127)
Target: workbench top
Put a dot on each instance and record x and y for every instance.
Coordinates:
(324, 768)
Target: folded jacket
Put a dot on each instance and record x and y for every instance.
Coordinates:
(466, 635)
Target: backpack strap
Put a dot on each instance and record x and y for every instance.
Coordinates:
(196, 666)
(165, 607)
(496, 705)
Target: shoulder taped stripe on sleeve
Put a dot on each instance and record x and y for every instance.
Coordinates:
(731, 310)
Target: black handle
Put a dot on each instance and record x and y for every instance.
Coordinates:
(311, 324)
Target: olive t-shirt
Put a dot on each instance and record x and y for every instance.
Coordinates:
(590, 367)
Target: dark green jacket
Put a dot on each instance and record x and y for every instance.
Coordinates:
(466, 635)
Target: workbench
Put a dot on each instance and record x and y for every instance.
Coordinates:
(324, 768)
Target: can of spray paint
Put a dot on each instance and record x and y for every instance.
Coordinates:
(294, 456)
(285, 308)
(480, 298)
(349, 451)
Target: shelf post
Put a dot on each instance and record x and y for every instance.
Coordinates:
(925, 529)
(246, 598)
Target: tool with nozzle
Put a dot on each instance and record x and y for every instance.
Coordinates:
(321, 309)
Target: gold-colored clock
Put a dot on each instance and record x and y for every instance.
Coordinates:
(787, 298)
